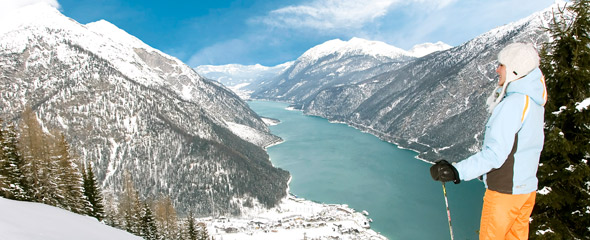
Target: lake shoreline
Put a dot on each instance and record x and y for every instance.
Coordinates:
(362, 128)
(338, 163)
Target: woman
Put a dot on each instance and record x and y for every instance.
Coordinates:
(511, 149)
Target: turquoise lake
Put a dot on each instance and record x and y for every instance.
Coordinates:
(335, 163)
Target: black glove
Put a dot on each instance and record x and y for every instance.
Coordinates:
(445, 172)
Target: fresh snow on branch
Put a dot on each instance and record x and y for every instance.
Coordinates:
(583, 105)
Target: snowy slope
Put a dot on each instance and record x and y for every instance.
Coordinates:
(129, 55)
(424, 49)
(332, 63)
(376, 49)
(242, 78)
(41, 17)
(291, 219)
(336, 63)
(343, 61)
(36, 221)
(353, 46)
(337, 50)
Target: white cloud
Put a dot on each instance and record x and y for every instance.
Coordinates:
(329, 14)
(6, 6)
(434, 4)
(339, 14)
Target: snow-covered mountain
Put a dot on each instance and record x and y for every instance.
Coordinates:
(244, 80)
(424, 49)
(241, 78)
(359, 46)
(332, 63)
(128, 107)
(434, 104)
(35, 221)
(355, 46)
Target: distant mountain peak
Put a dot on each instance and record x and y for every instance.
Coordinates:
(113, 32)
(39, 14)
(424, 49)
(354, 45)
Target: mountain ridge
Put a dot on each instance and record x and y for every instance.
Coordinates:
(246, 79)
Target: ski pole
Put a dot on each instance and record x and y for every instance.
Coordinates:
(448, 211)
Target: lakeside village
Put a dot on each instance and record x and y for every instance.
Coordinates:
(295, 218)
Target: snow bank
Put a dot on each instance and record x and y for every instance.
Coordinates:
(249, 134)
(36, 221)
(271, 121)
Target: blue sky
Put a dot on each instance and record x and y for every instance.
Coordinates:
(272, 32)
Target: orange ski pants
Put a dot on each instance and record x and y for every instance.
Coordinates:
(506, 216)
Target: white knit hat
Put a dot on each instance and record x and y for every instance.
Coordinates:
(519, 59)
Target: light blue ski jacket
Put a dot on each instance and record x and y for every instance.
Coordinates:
(513, 139)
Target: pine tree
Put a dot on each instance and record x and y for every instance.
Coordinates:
(70, 182)
(130, 206)
(93, 194)
(3, 165)
(563, 202)
(191, 231)
(149, 230)
(39, 169)
(14, 185)
(166, 218)
(111, 210)
(202, 230)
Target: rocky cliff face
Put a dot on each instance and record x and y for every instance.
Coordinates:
(127, 107)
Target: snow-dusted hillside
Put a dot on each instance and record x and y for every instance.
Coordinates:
(359, 46)
(424, 49)
(128, 107)
(334, 62)
(330, 64)
(36, 221)
(355, 46)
